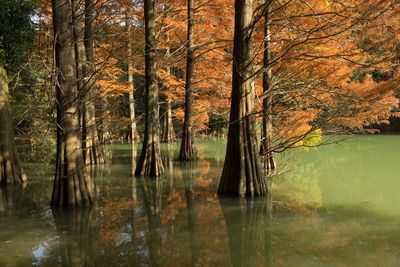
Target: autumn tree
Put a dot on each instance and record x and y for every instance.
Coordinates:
(242, 173)
(187, 150)
(131, 96)
(72, 185)
(266, 131)
(150, 162)
(93, 151)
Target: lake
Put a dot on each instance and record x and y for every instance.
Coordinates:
(335, 205)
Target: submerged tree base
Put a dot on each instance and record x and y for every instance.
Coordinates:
(10, 168)
(150, 162)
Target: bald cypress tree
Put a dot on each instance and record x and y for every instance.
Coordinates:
(16, 38)
(10, 168)
(150, 162)
(72, 185)
(187, 150)
(242, 173)
(266, 132)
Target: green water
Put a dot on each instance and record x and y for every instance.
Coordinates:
(335, 205)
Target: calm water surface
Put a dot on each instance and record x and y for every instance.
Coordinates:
(335, 205)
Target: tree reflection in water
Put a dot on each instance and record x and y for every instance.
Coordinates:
(151, 190)
(246, 223)
(189, 176)
(76, 229)
(11, 199)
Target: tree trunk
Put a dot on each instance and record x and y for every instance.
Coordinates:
(168, 134)
(266, 133)
(150, 162)
(72, 185)
(93, 151)
(188, 151)
(134, 133)
(10, 168)
(242, 173)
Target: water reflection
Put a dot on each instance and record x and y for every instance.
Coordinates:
(246, 223)
(151, 191)
(11, 199)
(178, 220)
(76, 231)
(189, 177)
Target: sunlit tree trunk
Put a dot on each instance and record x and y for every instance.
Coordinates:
(266, 133)
(72, 185)
(242, 173)
(150, 162)
(134, 133)
(80, 62)
(11, 171)
(187, 150)
(168, 134)
(93, 151)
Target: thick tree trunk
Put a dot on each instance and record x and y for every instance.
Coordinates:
(150, 162)
(168, 134)
(72, 185)
(92, 150)
(242, 173)
(10, 168)
(188, 151)
(134, 134)
(266, 133)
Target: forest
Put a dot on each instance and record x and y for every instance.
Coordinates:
(199, 132)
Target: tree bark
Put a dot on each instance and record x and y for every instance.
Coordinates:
(266, 133)
(72, 187)
(133, 127)
(11, 171)
(134, 133)
(187, 150)
(150, 162)
(242, 173)
(168, 134)
(93, 152)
